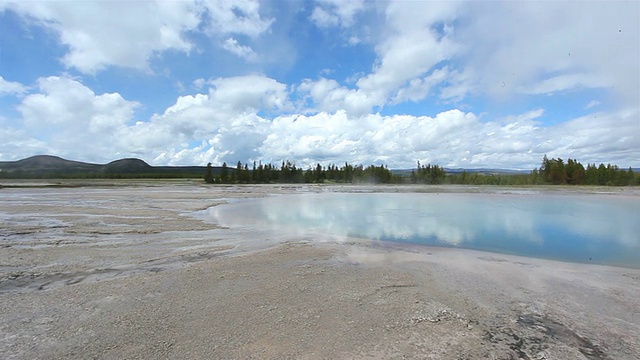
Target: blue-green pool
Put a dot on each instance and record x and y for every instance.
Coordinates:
(587, 228)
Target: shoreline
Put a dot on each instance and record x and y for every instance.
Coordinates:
(129, 272)
(631, 190)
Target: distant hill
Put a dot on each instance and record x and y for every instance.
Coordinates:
(46, 163)
(127, 166)
(49, 167)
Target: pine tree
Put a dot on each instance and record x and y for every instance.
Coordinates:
(224, 173)
(208, 176)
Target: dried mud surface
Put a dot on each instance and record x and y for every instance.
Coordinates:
(129, 272)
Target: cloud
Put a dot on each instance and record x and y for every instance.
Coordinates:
(410, 48)
(68, 116)
(330, 13)
(348, 22)
(201, 154)
(460, 50)
(63, 115)
(251, 92)
(592, 103)
(199, 83)
(235, 17)
(66, 103)
(321, 137)
(101, 34)
(112, 33)
(419, 88)
(11, 87)
(397, 140)
(451, 138)
(18, 144)
(329, 96)
(602, 137)
(323, 18)
(564, 82)
(545, 47)
(226, 119)
(457, 55)
(242, 51)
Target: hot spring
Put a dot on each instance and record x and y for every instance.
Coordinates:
(586, 228)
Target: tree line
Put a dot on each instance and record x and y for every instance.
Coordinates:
(553, 171)
(557, 172)
(288, 172)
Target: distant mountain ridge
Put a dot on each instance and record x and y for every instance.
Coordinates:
(48, 166)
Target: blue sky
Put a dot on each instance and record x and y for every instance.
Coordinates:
(459, 84)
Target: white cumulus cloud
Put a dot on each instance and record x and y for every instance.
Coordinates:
(67, 115)
(246, 119)
(67, 103)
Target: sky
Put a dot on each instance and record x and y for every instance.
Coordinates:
(458, 84)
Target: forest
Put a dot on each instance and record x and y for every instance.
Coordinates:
(288, 172)
(557, 172)
(553, 171)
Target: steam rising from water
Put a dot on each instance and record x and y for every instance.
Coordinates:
(581, 227)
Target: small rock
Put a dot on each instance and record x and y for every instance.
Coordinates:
(542, 355)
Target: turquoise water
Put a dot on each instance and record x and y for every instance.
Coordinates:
(587, 228)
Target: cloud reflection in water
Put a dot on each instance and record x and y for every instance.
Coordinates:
(568, 227)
